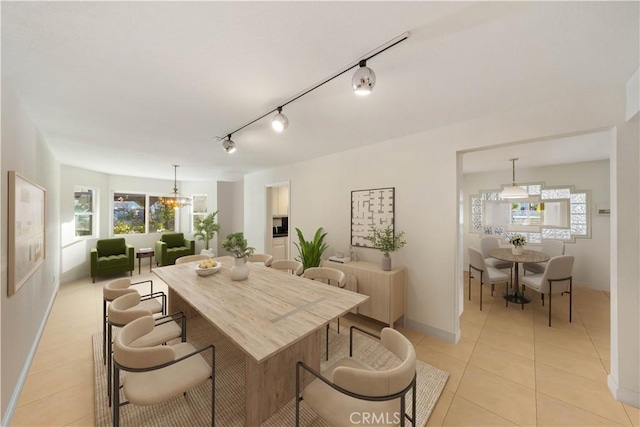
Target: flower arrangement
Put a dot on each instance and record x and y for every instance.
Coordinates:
(518, 240)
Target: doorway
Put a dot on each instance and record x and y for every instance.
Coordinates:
(277, 236)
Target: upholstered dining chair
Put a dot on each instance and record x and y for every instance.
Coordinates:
(116, 288)
(332, 277)
(558, 269)
(549, 247)
(485, 274)
(351, 386)
(129, 307)
(191, 258)
(288, 265)
(487, 244)
(159, 373)
(266, 259)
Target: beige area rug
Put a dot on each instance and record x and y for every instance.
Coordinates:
(195, 408)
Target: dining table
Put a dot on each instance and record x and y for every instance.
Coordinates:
(506, 254)
(274, 317)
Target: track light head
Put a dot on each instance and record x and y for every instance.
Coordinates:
(279, 122)
(228, 145)
(364, 79)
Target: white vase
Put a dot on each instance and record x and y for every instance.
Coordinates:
(240, 269)
(207, 252)
(386, 263)
(516, 250)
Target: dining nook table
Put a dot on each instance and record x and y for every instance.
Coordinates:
(505, 254)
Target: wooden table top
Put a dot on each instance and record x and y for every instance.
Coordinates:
(264, 314)
(527, 255)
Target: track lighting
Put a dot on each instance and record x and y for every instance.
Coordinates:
(514, 192)
(364, 79)
(280, 122)
(228, 145)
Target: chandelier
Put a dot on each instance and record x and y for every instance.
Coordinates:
(176, 200)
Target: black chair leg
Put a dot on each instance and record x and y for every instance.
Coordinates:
(549, 304)
(327, 343)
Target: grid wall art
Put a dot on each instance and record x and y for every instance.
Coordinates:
(371, 208)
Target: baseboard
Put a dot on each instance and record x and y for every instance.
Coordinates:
(435, 332)
(15, 396)
(630, 397)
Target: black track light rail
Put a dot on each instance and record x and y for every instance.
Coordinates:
(360, 62)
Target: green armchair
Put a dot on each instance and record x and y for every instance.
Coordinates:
(111, 256)
(172, 246)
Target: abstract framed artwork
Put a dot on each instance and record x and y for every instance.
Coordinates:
(27, 230)
(371, 208)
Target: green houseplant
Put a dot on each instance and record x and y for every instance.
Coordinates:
(311, 251)
(206, 229)
(384, 240)
(237, 245)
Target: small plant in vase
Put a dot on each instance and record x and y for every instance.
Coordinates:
(205, 230)
(518, 241)
(237, 245)
(386, 241)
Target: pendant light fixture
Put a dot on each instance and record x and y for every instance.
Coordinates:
(176, 200)
(280, 122)
(364, 79)
(513, 192)
(228, 145)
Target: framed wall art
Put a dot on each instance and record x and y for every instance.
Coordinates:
(371, 208)
(27, 230)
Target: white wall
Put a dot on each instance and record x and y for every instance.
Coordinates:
(231, 210)
(591, 266)
(24, 313)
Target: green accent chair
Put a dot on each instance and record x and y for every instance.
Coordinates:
(172, 246)
(111, 256)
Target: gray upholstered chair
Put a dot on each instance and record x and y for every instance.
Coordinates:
(485, 274)
(191, 258)
(159, 373)
(487, 244)
(330, 276)
(131, 306)
(288, 265)
(116, 288)
(266, 259)
(351, 386)
(558, 269)
(549, 247)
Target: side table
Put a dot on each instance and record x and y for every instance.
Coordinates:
(145, 254)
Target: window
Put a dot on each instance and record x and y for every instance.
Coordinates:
(84, 207)
(198, 209)
(129, 213)
(161, 218)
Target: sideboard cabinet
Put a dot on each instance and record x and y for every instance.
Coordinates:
(387, 290)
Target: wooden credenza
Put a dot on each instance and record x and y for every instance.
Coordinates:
(387, 289)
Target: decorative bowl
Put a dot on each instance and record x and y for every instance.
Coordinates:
(208, 271)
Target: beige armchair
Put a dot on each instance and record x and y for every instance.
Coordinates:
(351, 386)
(288, 265)
(549, 247)
(156, 374)
(485, 274)
(266, 259)
(558, 269)
(191, 258)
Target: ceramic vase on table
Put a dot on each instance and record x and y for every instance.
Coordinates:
(386, 263)
(516, 250)
(240, 269)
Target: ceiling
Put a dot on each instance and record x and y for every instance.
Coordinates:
(131, 88)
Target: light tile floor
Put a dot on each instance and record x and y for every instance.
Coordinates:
(509, 368)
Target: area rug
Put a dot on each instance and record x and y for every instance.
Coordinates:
(195, 408)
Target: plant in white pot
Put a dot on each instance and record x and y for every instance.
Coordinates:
(205, 230)
(237, 245)
(386, 241)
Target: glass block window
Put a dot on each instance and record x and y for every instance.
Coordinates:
(84, 210)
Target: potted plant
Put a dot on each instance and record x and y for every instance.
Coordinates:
(518, 241)
(311, 251)
(237, 245)
(384, 240)
(205, 230)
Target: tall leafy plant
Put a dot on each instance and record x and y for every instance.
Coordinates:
(206, 228)
(311, 251)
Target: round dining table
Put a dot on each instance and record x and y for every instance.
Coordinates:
(505, 254)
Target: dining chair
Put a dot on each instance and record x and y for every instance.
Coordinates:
(487, 244)
(288, 265)
(191, 258)
(155, 374)
(486, 274)
(549, 247)
(352, 387)
(266, 259)
(129, 307)
(329, 275)
(116, 288)
(558, 269)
